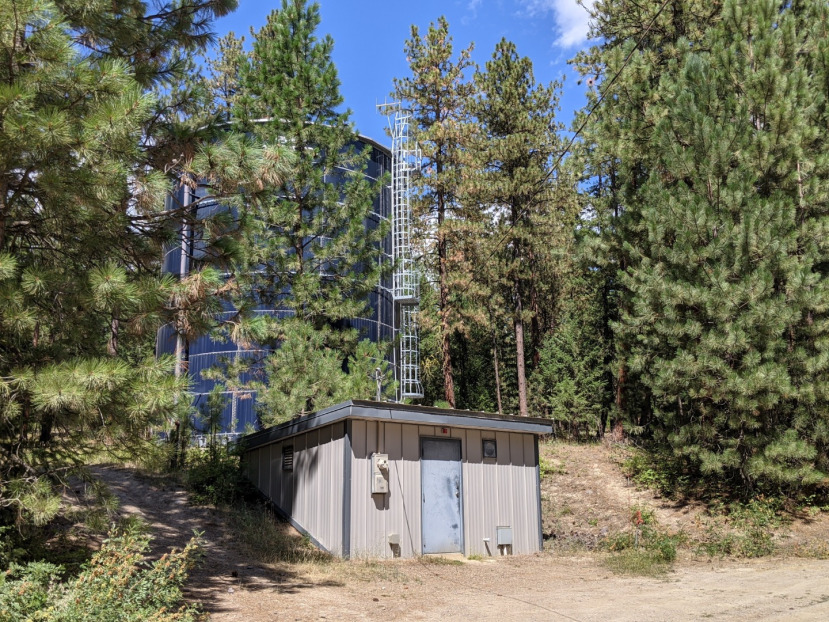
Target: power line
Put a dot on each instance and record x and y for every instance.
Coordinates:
(578, 131)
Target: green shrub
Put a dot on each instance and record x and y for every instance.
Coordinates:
(116, 585)
(643, 547)
(214, 476)
(25, 589)
(657, 471)
(744, 529)
(665, 545)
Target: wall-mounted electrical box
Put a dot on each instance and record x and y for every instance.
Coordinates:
(379, 474)
(504, 540)
(504, 535)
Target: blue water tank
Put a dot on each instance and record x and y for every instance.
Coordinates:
(206, 352)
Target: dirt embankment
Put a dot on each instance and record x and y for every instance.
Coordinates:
(584, 497)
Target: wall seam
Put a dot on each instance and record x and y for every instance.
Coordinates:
(346, 539)
(538, 496)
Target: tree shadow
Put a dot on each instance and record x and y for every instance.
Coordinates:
(231, 560)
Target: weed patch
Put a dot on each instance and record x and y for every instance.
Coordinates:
(547, 468)
(816, 549)
(644, 548)
(742, 529)
(638, 562)
(438, 560)
(268, 539)
(115, 585)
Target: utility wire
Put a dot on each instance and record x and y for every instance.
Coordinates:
(579, 130)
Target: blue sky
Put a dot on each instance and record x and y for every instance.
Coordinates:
(369, 36)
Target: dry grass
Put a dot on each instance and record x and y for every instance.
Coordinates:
(271, 541)
(638, 562)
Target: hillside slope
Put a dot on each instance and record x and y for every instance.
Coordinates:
(585, 498)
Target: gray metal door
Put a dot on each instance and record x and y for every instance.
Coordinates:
(440, 475)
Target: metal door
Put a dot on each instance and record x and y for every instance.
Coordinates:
(440, 475)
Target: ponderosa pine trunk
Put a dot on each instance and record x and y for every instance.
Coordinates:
(497, 373)
(446, 353)
(520, 365)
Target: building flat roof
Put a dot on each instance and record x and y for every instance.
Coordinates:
(398, 413)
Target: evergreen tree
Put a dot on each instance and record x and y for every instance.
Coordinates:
(437, 94)
(305, 374)
(92, 121)
(569, 382)
(638, 41)
(532, 207)
(729, 284)
(224, 81)
(310, 256)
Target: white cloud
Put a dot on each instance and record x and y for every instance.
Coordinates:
(572, 21)
(471, 11)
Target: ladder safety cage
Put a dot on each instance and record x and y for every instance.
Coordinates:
(405, 277)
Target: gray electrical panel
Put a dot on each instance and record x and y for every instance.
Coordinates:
(379, 474)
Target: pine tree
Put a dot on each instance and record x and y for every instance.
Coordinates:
(437, 94)
(638, 41)
(225, 69)
(305, 373)
(569, 381)
(729, 286)
(310, 256)
(532, 207)
(93, 119)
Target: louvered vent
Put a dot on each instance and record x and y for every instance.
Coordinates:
(288, 458)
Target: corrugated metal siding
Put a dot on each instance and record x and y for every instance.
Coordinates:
(318, 484)
(375, 517)
(252, 467)
(311, 494)
(501, 492)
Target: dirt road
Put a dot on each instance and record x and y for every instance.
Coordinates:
(549, 586)
(545, 588)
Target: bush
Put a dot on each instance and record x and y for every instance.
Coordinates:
(115, 585)
(26, 589)
(644, 549)
(9, 552)
(214, 476)
(660, 471)
(748, 530)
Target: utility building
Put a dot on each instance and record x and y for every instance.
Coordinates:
(372, 479)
